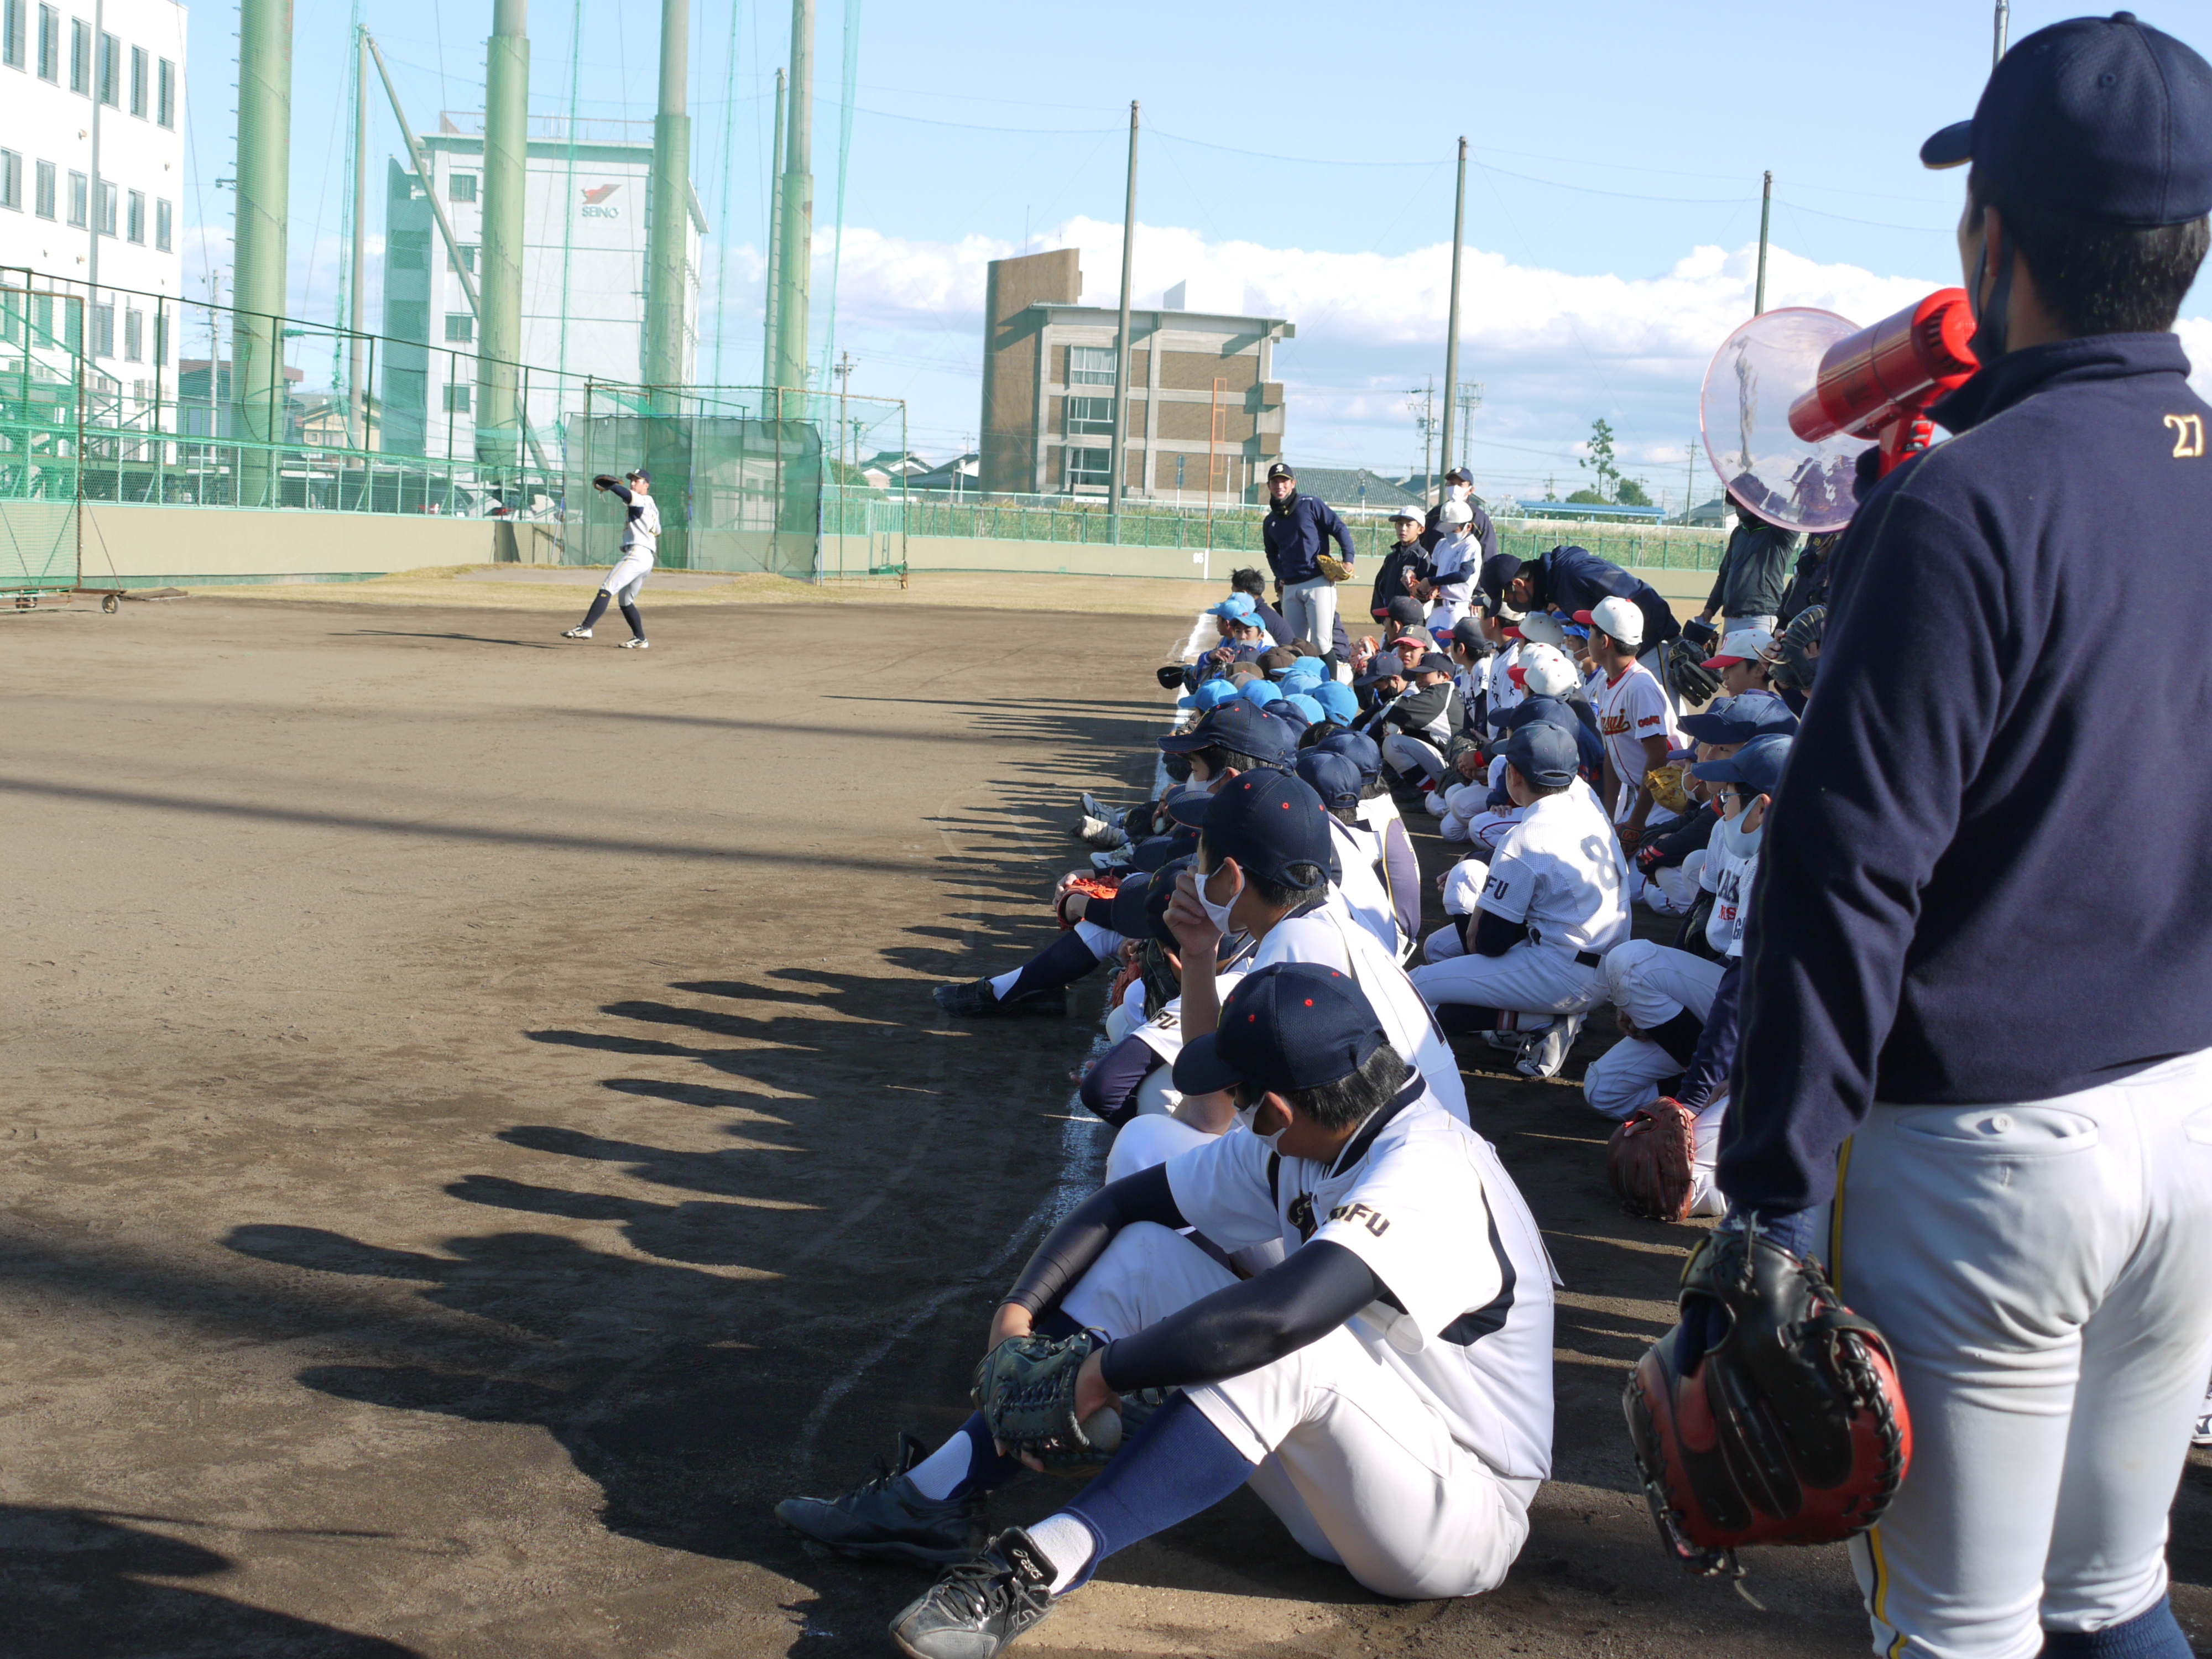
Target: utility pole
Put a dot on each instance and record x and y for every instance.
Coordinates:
(775, 246)
(2004, 22)
(1766, 206)
(1469, 400)
(1690, 481)
(1423, 402)
(506, 139)
(794, 258)
(844, 373)
(265, 175)
(1117, 461)
(357, 311)
(1451, 339)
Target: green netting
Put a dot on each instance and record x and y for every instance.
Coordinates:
(42, 440)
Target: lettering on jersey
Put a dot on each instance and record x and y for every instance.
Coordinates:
(1728, 890)
(2188, 436)
(1166, 1020)
(1376, 1222)
(1651, 719)
(1302, 1216)
(1612, 726)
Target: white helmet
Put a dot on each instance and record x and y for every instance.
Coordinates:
(1545, 671)
(1456, 512)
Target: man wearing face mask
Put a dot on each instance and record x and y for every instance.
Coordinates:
(2024, 1201)
(1264, 853)
(1386, 1389)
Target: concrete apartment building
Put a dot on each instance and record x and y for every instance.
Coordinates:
(1203, 399)
(585, 223)
(92, 173)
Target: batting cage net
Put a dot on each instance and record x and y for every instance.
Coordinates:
(44, 389)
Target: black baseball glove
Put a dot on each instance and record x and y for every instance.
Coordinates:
(1686, 667)
(1171, 676)
(1025, 1389)
(605, 481)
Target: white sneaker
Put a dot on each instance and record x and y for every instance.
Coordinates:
(1105, 836)
(1095, 808)
(1547, 1050)
(580, 632)
(1106, 864)
(631, 645)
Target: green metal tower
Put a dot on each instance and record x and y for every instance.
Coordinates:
(795, 243)
(265, 182)
(667, 243)
(506, 138)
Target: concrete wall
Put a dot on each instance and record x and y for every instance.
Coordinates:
(149, 546)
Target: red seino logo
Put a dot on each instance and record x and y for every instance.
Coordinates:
(593, 199)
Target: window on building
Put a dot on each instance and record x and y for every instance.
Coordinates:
(134, 223)
(468, 259)
(111, 71)
(163, 220)
(80, 56)
(461, 328)
(103, 330)
(1087, 467)
(165, 94)
(109, 200)
(50, 44)
(11, 180)
(1180, 459)
(11, 33)
(134, 336)
(1090, 418)
(1090, 365)
(139, 65)
(80, 212)
(42, 187)
(461, 187)
(457, 398)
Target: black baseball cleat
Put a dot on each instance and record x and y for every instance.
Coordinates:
(977, 1609)
(977, 1000)
(888, 1518)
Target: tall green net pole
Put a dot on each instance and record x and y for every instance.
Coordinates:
(506, 140)
(852, 68)
(722, 215)
(265, 175)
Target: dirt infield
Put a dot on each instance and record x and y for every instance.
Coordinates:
(478, 1134)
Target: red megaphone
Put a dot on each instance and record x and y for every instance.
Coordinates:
(1879, 382)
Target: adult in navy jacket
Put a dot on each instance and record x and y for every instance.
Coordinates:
(1979, 970)
(1571, 579)
(1295, 533)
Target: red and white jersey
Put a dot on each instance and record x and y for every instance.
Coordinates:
(1631, 706)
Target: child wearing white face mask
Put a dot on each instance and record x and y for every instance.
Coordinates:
(1264, 858)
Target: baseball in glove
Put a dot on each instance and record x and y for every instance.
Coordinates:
(1650, 1159)
(1686, 667)
(1771, 1414)
(1076, 890)
(1025, 1389)
(605, 481)
(1332, 567)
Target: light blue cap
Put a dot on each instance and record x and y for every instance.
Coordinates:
(1210, 693)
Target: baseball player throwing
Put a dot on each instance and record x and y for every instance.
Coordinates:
(2020, 1160)
(641, 536)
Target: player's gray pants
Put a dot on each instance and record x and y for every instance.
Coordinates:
(1310, 609)
(2045, 1273)
(1408, 754)
(1352, 1459)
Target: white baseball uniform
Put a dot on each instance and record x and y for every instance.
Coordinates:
(1330, 936)
(1631, 706)
(1651, 983)
(1358, 855)
(1561, 872)
(640, 541)
(1407, 1443)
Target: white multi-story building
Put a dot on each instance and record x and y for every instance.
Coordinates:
(92, 169)
(586, 208)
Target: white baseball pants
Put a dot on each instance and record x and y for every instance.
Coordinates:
(1651, 983)
(1528, 979)
(1146, 1141)
(1310, 608)
(1671, 889)
(628, 575)
(2045, 1273)
(1353, 1460)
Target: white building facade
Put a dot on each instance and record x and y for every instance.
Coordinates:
(92, 171)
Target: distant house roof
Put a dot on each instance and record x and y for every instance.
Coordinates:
(1353, 487)
(1712, 512)
(1588, 512)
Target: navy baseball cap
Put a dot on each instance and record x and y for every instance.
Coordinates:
(1333, 777)
(1550, 709)
(1272, 824)
(2098, 118)
(1385, 667)
(1239, 725)
(1467, 632)
(1757, 766)
(1739, 719)
(1281, 470)
(1129, 906)
(1362, 750)
(1287, 711)
(1545, 754)
(1498, 570)
(1406, 609)
(1287, 1027)
(640, 474)
(1431, 662)
(1154, 852)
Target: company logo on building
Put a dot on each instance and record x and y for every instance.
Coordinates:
(593, 199)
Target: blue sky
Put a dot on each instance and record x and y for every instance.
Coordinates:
(1297, 159)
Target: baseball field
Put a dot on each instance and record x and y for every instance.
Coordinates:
(478, 1133)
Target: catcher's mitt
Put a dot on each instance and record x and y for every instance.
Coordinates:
(1076, 890)
(605, 481)
(1701, 633)
(1789, 1428)
(1686, 667)
(1666, 785)
(1650, 1159)
(1332, 567)
(1025, 1389)
(1794, 659)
